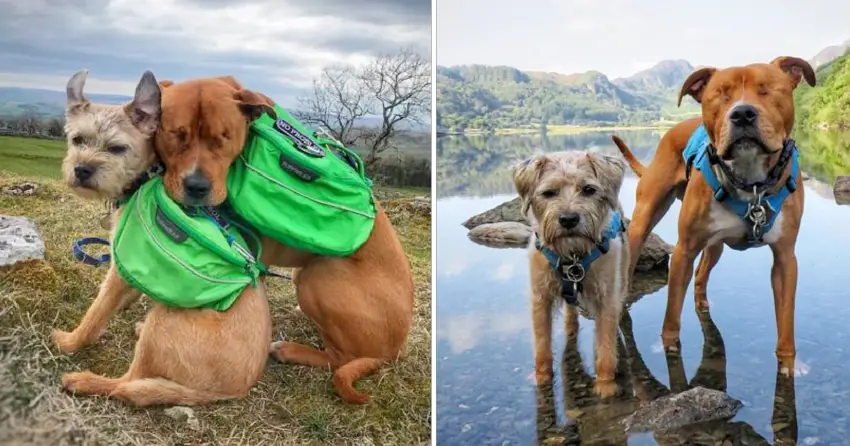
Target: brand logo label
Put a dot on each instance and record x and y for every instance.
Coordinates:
(298, 170)
(302, 142)
(169, 228)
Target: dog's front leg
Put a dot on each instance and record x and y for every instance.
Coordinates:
(783, 277)
(541, 321)
(114, 293)
(607, 323)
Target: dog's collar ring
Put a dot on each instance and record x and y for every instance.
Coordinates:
(573, 271)
(756, 213)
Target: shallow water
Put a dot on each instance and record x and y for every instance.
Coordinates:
(485, 388)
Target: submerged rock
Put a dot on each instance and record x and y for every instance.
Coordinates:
(504, 234)
(697, 405)
(505, 227)
(19, 240)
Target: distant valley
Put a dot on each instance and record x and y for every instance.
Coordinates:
(46, 104)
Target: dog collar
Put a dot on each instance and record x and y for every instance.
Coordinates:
(573, 270)
(112, 206)
(82, 256)
(144, 177)
(759, 213)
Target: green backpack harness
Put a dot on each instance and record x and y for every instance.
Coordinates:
(180, 259)
(307, 192)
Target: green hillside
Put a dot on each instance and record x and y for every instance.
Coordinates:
(827, 105)
(500, 97)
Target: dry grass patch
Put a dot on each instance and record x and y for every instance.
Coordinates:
(290, 404)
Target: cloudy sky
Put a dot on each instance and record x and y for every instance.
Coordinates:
(620, 37)
(275, 46)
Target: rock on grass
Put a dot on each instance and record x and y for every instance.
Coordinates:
(19, 240)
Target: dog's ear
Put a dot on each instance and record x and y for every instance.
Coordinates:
(609, 171)
(797, 69)
(526, 175)
(695, 84)
(254, 104)
(146, 108)
(75, 98)
(165, 84)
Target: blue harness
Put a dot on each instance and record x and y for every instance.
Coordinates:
(573, 270)
(758, 214)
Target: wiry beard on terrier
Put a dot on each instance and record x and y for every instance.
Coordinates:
(570, 199)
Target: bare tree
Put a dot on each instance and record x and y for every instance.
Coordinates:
(401, 87)
(337, 101)
(394, 87)
(56, 128)
(29, 124)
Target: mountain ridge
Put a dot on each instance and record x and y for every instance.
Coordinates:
(483, 97)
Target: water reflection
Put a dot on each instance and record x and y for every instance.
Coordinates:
(485, 389)
(479, 165)
(592, 421)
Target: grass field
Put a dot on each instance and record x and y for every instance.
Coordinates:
(31, 156)
(290, 405)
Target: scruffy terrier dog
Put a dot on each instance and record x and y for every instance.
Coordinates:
(183, 356)
(109, 148)
(578, 253)
(108, 145)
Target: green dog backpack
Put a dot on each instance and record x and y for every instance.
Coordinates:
(304, 191)
(179, 259)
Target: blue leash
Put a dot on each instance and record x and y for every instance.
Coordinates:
(87, 259)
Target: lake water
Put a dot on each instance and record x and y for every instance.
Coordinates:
(486, 393)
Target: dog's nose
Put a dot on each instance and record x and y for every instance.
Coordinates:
(569, 220)
(744, 115)
(197, 186)
(83, 171)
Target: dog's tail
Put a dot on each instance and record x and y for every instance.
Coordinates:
(345, 377)
(636, 166)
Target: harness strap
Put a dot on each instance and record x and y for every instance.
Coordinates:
(82, 256)
(572, 271)
(759, 214)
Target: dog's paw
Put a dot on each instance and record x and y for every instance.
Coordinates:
(71, 381)
(66, 342)
(280, 350)
(605, 388)
(139, 327)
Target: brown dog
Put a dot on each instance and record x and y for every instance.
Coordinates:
(748, 114)
(183, 356)
(362, 305)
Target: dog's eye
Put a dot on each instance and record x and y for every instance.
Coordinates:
(550, 193)
(77, 140)
(588, 191)
(116, 150)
